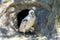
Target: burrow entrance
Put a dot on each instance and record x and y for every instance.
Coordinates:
(21, 15)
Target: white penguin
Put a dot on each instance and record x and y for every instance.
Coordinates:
(28, 22)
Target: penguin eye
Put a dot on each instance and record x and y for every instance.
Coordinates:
(31, 12)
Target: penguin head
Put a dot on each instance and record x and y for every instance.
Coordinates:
(31, 13)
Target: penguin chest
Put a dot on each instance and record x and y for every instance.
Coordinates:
(26, 25)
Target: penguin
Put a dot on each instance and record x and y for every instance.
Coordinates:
(27, 22)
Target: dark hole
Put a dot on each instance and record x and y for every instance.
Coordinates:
(21, 15)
